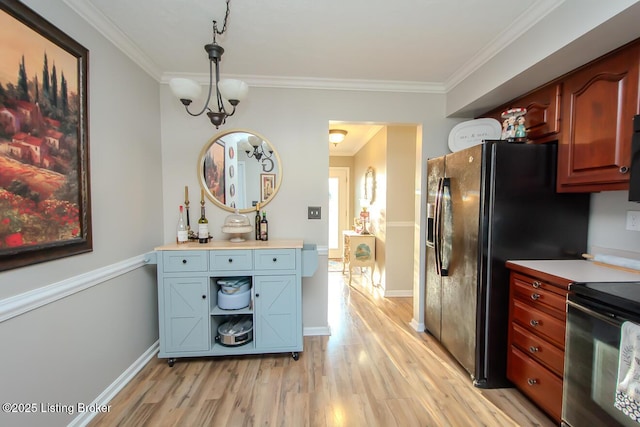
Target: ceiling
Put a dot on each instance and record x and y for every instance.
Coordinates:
(408, 45)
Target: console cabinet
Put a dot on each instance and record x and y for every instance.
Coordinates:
(188, 289)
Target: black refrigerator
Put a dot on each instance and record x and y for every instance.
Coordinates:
(487, 204)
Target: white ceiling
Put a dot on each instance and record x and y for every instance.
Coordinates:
(404, 45)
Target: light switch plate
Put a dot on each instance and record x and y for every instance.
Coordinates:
(314, 212)
(633, 220)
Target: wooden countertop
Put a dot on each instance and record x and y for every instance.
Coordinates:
(227, 245)
(575, 270)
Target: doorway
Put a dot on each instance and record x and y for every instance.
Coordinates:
(338, 208)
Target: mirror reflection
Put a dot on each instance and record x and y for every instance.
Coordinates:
(238, 169)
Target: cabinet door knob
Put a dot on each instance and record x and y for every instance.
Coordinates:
(184, 261)
(275, 259)
(204, 297)
(230, 259)
(624, 169)
(532, 381)
(536, 284)
(535, 296)
(534, 323)
(533, 349)
(257, 295)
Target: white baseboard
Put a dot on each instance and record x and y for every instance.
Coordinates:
(110, 392)
(417, 326)
(398, 294)
(315, 331)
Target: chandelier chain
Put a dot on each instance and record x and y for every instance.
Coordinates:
(224, 24)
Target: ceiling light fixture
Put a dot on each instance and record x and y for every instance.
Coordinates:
(336, 136)
(256, 147)
(228, 91)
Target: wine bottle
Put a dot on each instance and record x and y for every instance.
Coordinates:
(182, 235)
(264, 227)
(257, 221)
(203, 226)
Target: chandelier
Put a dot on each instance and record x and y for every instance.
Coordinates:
(336, 136)
(227, 91)
(256, 148)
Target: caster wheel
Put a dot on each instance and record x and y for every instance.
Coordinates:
(295, 355)
(170, 362)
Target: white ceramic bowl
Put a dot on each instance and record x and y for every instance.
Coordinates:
(234, 301)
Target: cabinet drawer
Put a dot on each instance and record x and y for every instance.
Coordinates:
(537, 382)
(231, 260)
(539, 297)
(537, 348)
(539, 323)
(275, 259)
(184, 261)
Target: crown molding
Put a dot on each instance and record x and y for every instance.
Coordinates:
(111, 32)
(318, 83)
(528, 19)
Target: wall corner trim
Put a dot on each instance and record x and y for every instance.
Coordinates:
(31, 300)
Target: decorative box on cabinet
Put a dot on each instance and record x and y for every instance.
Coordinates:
(359, 251)
(542, 120)
(537, 318)
(189, 315)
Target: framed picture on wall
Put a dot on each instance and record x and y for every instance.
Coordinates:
(45, 209)
(267, 185)
(213, 170)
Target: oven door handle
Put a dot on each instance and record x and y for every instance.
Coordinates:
(614, 321)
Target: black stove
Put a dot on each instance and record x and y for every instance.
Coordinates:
(616, 297)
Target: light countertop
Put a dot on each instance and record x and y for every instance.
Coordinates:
(578, 270)
(227, 245)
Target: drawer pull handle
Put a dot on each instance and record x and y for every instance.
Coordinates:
(533, 349)
(184, 261)
(535, 296)
(275, 259)
(204, 297)
(534, 323)
(624, 169)
(532, 381)
(257, 295)
(230, 260)
(536, 284)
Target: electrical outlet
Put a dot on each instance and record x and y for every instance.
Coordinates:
(633, 220)
(314, 212)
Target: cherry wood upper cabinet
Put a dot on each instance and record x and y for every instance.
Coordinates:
(542, 120)
(599, 101)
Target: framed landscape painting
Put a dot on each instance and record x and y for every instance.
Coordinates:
(45, 209)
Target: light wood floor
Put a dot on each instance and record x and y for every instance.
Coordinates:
(374, 370)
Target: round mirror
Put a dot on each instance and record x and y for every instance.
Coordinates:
(370, 185)
(238, 169)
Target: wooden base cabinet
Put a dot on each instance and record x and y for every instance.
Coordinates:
(188, 291)
(537, 320)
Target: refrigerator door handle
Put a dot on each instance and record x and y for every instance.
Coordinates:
(437, 225)
(446, 227)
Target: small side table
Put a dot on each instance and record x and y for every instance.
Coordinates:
(359, 251)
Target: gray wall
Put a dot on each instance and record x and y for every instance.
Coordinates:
(296, 122)
(70, 350)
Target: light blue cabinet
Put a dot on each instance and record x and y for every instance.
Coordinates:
(185, 314)
(277, 312)
(188, 292)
